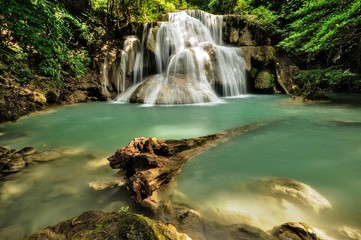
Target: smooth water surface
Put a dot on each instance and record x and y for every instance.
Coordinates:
(317, 144)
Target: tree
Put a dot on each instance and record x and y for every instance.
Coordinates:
(40, 33)
(330, 26)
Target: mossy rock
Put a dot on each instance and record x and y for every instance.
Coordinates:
(265, 80)
(99, 225)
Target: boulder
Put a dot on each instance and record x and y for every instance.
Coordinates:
(265, 81)
(291, 190)
(242, 31)
(198, 227)
(294, 231)
(349, 233)
(13, 160)
(110, 225)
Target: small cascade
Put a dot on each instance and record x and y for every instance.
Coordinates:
(118, 66)
(189, 63)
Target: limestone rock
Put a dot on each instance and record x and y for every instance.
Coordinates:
(350, 233)
(13, 160)
(294, 231)
(291, 190)
(108, 182)
(197, 227)
(110, 225)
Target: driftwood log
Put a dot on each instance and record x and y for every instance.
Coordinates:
(149, 163)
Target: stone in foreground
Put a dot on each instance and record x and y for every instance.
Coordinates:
(98, 225)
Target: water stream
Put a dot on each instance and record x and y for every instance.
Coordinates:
(316, 144)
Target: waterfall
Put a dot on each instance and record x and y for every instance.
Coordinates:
(182, 60)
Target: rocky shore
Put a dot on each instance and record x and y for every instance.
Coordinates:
(41, 93)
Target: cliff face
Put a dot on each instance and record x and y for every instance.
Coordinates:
(269, 70)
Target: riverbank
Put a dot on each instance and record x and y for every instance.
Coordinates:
(42, 93)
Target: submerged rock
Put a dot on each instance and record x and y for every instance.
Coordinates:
(110, 225)
(291, 190)
(350, 233)
(202, 228)
(12, 160)
(150, 164)
(108, 182)
(294, 231)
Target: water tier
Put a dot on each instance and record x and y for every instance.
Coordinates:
(186, 63)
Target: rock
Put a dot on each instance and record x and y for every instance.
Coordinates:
(265, 81)
(291, 190)
(245, 232)
(108, 182)
(197, 227)
(233, 35)
(109, 225)
(350, 233)
(285, 71)
(246, 38)
(12, 160)
(294, 231)
(150, 164)
(39, 98)
(249, 33)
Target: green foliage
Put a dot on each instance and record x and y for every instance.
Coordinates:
(42, 34)
(222, 6)
(125, 12)
(324, 25)
(316, 81)
(123, 209)
(264, 80)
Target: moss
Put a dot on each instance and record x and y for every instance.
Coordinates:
(135, 227)
(265, 80)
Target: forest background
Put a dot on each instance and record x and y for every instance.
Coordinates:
(58, 39)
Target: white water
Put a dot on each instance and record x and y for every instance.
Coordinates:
(114, 74)
(189, 65)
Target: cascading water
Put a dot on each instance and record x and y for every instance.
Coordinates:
(190, 65)
(118, 66)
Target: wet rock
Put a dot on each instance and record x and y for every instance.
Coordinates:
(108, 182)
(150, 164)
(13, 160)
(197, 227)
(291, 190)
(249, 33)
(294, 231)
(109, 225)
(350, 233)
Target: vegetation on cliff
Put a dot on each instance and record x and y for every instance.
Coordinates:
(59, 39)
